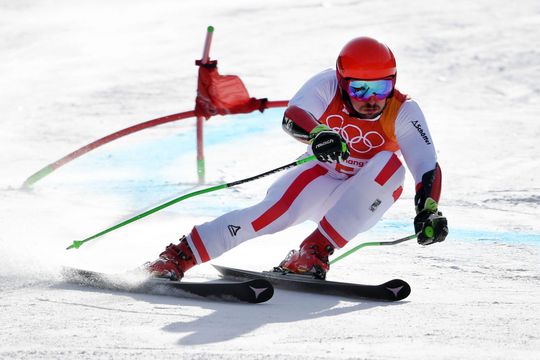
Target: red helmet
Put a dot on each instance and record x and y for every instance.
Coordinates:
(367, 59)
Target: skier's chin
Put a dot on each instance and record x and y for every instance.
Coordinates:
(369, 114)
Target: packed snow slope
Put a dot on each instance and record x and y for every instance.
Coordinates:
(72, 72)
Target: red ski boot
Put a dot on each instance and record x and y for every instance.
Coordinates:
(173, 262)
(312, 258)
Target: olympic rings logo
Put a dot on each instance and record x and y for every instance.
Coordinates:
(353, 135)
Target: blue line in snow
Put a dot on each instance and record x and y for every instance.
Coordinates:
(145, 170)
(514, 237)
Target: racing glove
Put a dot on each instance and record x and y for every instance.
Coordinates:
(429, 224)
(327, 145)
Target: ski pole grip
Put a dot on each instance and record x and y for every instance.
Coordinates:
(429, 231)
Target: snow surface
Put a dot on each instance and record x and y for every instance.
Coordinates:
(72, 72)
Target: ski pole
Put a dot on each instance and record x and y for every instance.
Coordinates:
(373, 243)
(77, 243)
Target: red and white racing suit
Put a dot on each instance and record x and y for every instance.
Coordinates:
(346, 198)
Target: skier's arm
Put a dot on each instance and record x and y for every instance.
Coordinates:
(326, 144)
(298, 123)
(416, 145)
(308, 105)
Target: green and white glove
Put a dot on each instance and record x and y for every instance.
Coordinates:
(327, 145)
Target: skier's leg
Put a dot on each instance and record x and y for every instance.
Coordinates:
(363, 199)
(355, 206)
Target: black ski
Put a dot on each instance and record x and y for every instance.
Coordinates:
(251, 291)
(392, 290)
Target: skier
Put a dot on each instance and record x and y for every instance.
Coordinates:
(357, 124)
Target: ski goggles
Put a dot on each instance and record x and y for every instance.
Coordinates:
(365, 89)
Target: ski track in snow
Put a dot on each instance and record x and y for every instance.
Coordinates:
(74, 72)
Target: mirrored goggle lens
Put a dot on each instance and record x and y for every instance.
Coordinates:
(363, 90)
